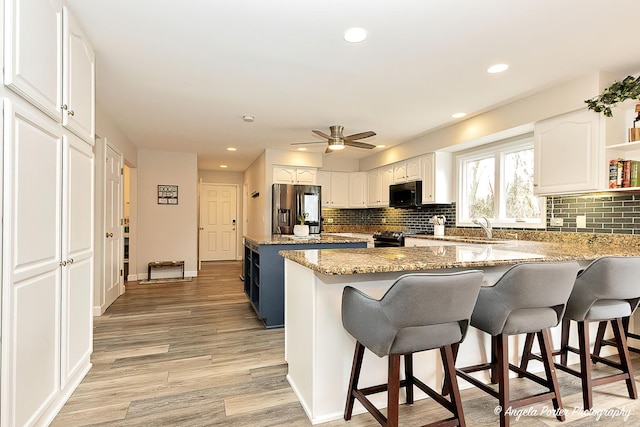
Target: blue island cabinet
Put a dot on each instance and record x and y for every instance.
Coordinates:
(264, 275)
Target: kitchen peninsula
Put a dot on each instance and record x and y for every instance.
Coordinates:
(264, 269)
(319, 351)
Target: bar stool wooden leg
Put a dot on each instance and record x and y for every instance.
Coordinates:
(585, 365)
(393, 390)
(448, 363)
(623, 352)
(494, 360)
(544, 340)
(526, 353)
(564, 341)
(502, 376)
(408, 376)
(602, 327)
(353, 381)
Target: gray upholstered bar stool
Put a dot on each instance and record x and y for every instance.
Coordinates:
(606, 291)
(419, 312)
(528, 298)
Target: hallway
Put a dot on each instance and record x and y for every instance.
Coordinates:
(194, 354)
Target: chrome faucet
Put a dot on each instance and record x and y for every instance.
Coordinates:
(486, 226)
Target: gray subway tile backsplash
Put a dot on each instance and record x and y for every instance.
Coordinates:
(612, 213)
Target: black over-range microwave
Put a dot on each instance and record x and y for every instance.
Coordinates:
(405, 195)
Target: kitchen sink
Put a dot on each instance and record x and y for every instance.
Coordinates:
(473, 239)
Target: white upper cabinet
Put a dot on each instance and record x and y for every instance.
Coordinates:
(293, 175)
(357, 190)
(378, 182)
(408, 170)
(78, 100)
(306, 176)
(49, 61)
(413, 170)
(339, 190)
(33, 52)
(436, 178)
(399, 172)
(324, 181)
(569, 152)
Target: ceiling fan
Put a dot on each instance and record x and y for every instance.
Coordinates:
(337, 141)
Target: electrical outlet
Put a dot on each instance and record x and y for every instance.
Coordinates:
(557, 222)
(581, 221)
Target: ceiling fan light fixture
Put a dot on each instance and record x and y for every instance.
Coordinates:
(355, 35)
(336, 146)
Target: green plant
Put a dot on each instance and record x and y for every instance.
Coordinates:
(619, 91)
(302, 218)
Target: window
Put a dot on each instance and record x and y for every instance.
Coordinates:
(497, 183)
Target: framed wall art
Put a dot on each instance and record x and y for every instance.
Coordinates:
(167, 194)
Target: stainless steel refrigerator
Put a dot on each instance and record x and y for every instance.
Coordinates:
(289, 202)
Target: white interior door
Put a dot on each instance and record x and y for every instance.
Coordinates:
(114, 246)
(218, 222)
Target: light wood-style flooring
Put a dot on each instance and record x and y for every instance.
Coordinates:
(194, 354)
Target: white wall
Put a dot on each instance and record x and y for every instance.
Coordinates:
(106, 128)
(500, 122)
(167, 232)
(255, 224)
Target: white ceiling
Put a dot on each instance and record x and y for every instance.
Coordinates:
(179, 75)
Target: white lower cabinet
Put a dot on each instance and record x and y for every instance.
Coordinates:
(47, 281)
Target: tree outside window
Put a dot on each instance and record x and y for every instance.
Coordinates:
(497, 183)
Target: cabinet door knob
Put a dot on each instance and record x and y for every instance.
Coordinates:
(64, 106)
(63, 263)
(71, 113)
(70, 261)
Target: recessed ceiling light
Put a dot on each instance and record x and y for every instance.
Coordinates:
(497, 68)
(248, 119)
(224, 166)
(355, 35)
(232, 149)
(380, 146)
(458, 115)
(302, 149)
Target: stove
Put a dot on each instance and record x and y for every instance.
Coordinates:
(388, 239)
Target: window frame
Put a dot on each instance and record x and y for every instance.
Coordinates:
(497, 151)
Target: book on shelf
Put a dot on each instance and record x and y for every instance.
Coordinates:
(624, 173)
(613, 173)
(634, 181)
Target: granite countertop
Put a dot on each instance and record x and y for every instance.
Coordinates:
(287, 239)
(458, 255)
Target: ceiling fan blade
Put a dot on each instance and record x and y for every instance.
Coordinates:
(322, 134)
(303, 143)
(328, 150)
(359, 144)
(360, 135)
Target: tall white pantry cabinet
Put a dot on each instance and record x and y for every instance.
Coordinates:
(48, 210)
